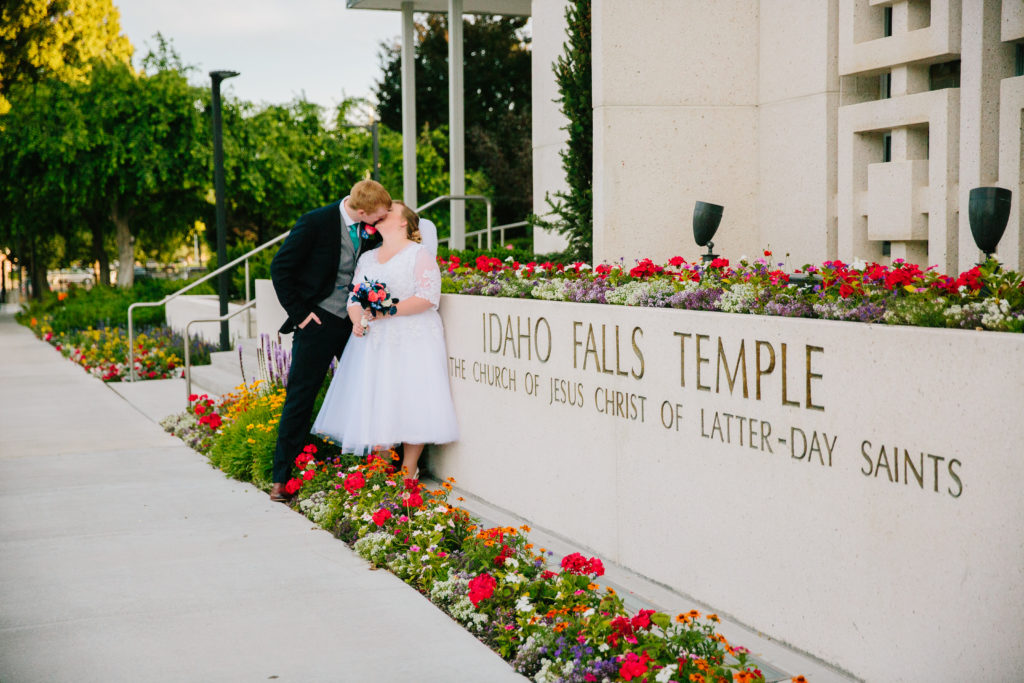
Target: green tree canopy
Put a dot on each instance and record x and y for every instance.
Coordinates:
(42, 39)
(497, 81)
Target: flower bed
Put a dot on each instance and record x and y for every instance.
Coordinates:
(984, 297)
(103, 352)
(551, 624)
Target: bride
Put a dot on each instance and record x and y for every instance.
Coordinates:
(391, 385)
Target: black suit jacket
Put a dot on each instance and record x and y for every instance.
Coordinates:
(305, 269)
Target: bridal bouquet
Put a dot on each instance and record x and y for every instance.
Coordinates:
(375, 299)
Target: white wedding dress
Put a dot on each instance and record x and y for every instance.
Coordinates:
(391, 385)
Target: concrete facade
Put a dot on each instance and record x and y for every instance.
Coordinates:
(827, 128)
(796, 475)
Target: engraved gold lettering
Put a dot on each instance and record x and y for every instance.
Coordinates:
(591, 349)
(683, 336)
(785, 401)
(638, 352)
(812, 375)
(521, 336)
(576, 343)
(618, 366)
(536, 341)
(701, 359)
(759, 370)
(741, 366)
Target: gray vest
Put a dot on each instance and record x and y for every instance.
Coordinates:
(337, 302)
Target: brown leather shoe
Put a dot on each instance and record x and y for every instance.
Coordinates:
(278, 494)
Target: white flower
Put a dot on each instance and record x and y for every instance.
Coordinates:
(438, 527)
(511, 563)
(665, 675)
(514, 578)
(859, 264)
(376, 487)
(425, 558)
(523, 604)
(603, 647)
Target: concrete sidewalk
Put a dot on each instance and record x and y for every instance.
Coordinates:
(125, 557)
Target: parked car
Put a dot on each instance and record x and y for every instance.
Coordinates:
(80, 277)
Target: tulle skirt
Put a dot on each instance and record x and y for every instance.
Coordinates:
(391, 386)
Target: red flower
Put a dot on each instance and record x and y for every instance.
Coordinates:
(354, 482)
(767, 254)
(633, 666)
(676, 261)
(719, 263)
(309, 448)
(414, 500)
(642, 619)
(845, 290)
(481, 588)
(577, 564)
(381, 516)
(292, 486)
(308, 474)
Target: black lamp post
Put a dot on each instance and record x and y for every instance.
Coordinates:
(218, 189)
(706, 218)
(988, 210)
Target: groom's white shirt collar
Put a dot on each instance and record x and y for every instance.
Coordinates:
(345, 218)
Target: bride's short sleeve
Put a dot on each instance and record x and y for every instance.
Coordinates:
(427, 277)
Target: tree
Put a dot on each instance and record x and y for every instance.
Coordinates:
(42, 39)
(497, 79)
(122, 150)
(575, 208)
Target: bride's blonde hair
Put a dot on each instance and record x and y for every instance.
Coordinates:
(412, 222)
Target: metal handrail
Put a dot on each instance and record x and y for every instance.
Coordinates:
(457, 197)
(500, 228)
(176, 294)
(188, 358)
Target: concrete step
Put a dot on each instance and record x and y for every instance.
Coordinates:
(225, 372)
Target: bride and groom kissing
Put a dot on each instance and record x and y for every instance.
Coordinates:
(391, 384)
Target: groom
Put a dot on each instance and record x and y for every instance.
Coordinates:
(311, 273)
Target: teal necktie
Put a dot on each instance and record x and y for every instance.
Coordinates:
(353, 232)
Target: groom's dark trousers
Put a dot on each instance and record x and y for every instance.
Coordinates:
(316, 346)
(305, 271)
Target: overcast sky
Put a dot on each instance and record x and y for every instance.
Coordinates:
(281, 48)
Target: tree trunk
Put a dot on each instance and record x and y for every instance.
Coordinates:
(99, 254)
(125, 247)
(37, 275)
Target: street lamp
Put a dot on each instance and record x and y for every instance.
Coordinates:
(218, 189)
(372, 127)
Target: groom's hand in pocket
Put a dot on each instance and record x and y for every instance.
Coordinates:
(311, 316)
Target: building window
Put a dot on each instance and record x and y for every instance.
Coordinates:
(1019, 70)
(944, 75)
(887, 22)
(885, 86)
(887, 147)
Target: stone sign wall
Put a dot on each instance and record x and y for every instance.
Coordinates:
(850, 489)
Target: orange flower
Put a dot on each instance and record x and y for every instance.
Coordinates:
(525, 528)
(611, 591)
(693, 614)
(561, 626)
(714, 617)
(696, 678)
(799, 679)
(592, 586)
(460, 498)
(682, 619)
(528, 546)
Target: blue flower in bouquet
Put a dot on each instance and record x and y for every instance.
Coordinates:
(374, 297)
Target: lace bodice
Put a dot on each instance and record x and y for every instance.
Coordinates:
(411, 272)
